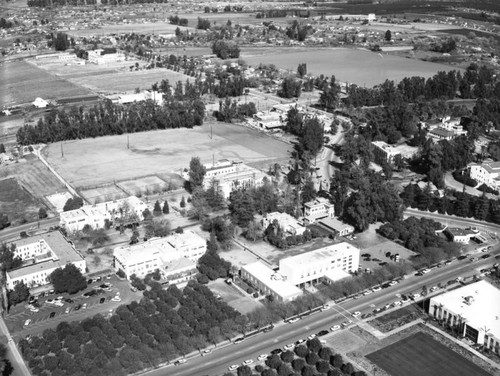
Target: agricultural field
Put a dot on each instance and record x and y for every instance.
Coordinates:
(15, 201)
(104, 193)
(22, 83)
(419, 355)
(108, 159)
(360, 67)
(128, 81)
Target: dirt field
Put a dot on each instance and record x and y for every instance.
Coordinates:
(101, 194)
(107, 159)
(360, 67)
(147, 185)
(22, 82)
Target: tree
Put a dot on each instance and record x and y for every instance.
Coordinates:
(157, 209)
(203, 24)
(20, 294)
(42, 213)
(302, 70)
(388, 36)
(61, 42)
(4, 221)
(183, 202)
(196, 172)
(225, 49)
(166, 208)
(313, 135)
(7, 259)
(69, 279)
(2, 148)
(241, 207)
(73, 203)
(290, 88)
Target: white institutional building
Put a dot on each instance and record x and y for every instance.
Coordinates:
(173, 255)
(317, 209)
(475, 308)
(333, 262)
(486, 173)
(41, 255)
(232, 175)
(96, 215)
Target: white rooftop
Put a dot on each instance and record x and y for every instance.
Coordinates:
(272, 279)
(336, 274)
(187, 238)
(318, 255)
(483, 309)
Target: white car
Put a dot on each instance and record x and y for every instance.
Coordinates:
(116, 299)
(345, 324)
(397, 303)
(295, 319)
(206, 352)
(34, 309)
(326, 307)
(356, 314)
(367, 292)
(375, 289)
(27, 322)
(392, 283)
(247, 362)
(416, 296)
(312, 336)
(289, 346)
(232, 367)
(58, 303)
(434, 288)
(335, 327)
(262, 357)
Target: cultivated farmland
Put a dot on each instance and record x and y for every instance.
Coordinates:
(93, 162)
(421, 355)
(22, 83)
(358, 67)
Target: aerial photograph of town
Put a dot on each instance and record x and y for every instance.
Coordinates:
(250, 187)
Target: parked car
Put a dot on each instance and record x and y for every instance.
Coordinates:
(345, 324)
(289, 346)
(312, 336)
(179, 361)
(78, 307)
(335, 327)
(102, 300)
(375, 289)
(69, 300)
(262, 357)
(206, 352)
(52, 314)
(295, 319)
(239, 340)
(68, 310)
(322, 333)
(27, 322)
(116, 299)
(232, 367)
(463, 257)
(299, 341)
(247, 362)
(356, 314)
(276, 351)
(84, 306)
(485, 256)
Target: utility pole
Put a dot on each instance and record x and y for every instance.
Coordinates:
(62, 151)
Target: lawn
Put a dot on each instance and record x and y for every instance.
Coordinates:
(16, 202)
(22, 83)
(102, 160)
(360, 67)
(421, 355)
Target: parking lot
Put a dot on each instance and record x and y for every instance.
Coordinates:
(103, 295)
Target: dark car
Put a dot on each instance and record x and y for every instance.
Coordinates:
(239, 340)
(90, 281)
(102, 300)
(485, 256)
(382, 263)
(52, 314)
(88, 294)
(322, 333)
(463, 257)
(69, 300)
(78, 307)
(276, 351)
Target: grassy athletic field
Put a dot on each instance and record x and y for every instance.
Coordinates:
(103, 160)
(421, 355)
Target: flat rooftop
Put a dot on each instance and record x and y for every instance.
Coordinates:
(272, 279)
(335, 224)
(319, 255)
(478, 303)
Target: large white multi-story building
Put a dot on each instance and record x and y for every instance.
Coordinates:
(99, 57)
(475, 311)
(312, 266)
(331, 263)
(96, 215)
(287, 223)
(41, 255)
(486, 173)
(317, 209)
(232, 175)
(385, 153)
(171, 255)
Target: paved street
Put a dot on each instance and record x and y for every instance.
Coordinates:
(217, 362)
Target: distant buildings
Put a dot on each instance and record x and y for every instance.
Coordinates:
(41, 255)
(155, 96)
(486, 173)
(474, 310)
(40, 103)
(100, 57)
(175, 256)
(287, 223)
(340, 228)
(232, 175)
(317, 209)
(447, 129)
(332, 263)
(96, 215)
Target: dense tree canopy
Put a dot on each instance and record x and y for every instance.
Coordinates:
(69, 279)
